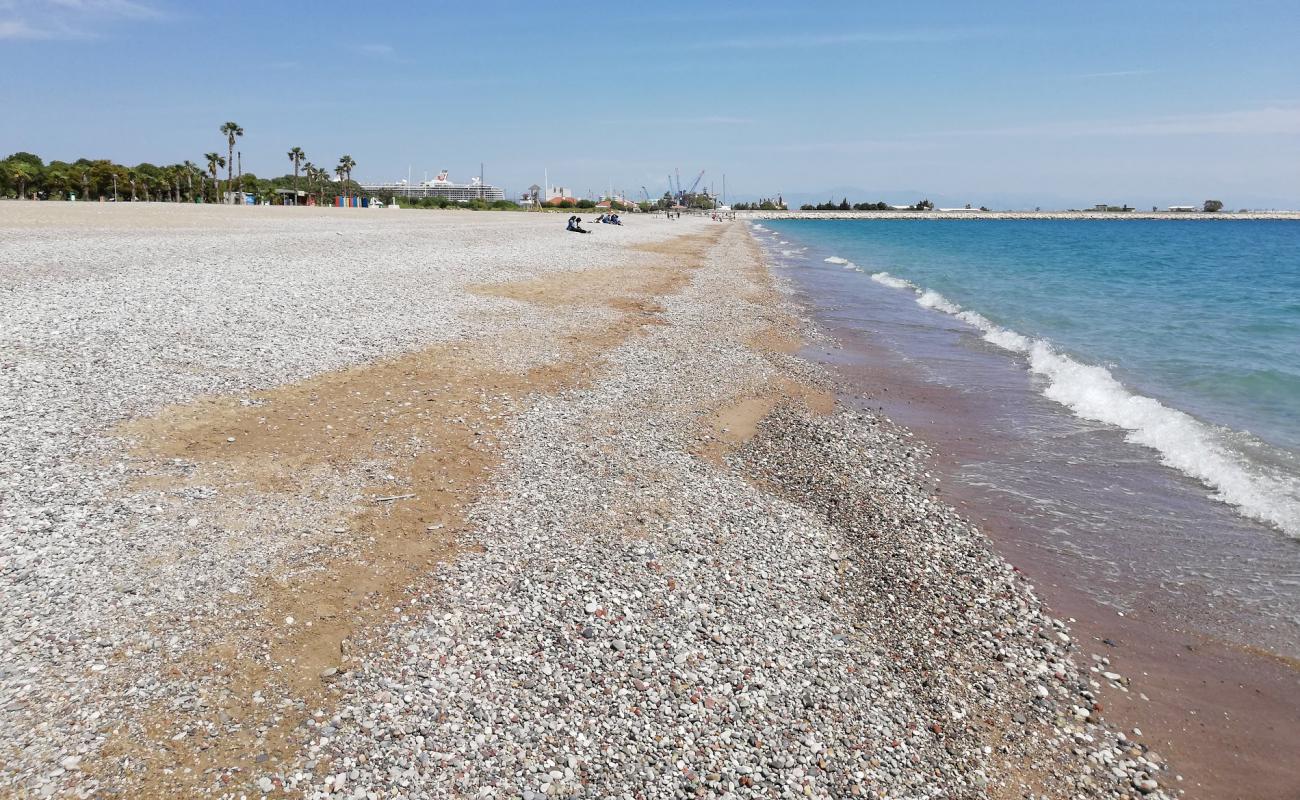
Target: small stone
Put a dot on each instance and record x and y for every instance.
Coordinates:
(265, 785)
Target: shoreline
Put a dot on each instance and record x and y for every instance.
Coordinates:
(1225, 714)
(1167, 216)
(555, 516)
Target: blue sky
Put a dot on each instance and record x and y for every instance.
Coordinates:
(1011, 103)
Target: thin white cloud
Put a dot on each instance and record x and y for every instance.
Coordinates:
(713, 119)
(18, 29)
(1120, 73)
(67, 19)
(721, 120)
(844, 147)
(916, 36)
(1249, 122)
(381, 50)
(114, 8)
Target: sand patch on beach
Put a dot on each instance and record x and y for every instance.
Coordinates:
(429, 422)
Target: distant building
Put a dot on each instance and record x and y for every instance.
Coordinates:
(291, 197)
(439, 187)
(1182, 209)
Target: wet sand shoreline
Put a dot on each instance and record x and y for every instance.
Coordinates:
(1227, 716)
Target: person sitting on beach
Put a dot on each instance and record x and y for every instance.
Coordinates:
(575, 225)
(614, 220)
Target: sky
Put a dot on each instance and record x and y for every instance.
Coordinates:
(1008, 104)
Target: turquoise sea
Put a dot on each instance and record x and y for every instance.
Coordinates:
(1144, 376)
(1185, 334)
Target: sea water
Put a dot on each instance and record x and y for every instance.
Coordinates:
(1146, 376)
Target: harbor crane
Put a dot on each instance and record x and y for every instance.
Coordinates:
(695, 183)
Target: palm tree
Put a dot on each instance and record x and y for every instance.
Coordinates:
(190, 168)
(232, 131)
(344, 169)
(20, 173)
(214, 162)
(174, 173)
(309, 172)
(317, 177)
(296, 155)
(58, 182)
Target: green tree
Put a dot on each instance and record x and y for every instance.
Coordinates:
(296, 157)
(232, 131)
(30, 159)
(346, 163)
(188, 169)
(21, 173)
(215, 162)
(1212, 206)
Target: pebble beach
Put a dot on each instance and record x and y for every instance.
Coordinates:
(411, 504)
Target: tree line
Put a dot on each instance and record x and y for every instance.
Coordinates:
(763, 204)
(27, 176)
(844, 205)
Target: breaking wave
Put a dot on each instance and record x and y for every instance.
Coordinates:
(1208, 453)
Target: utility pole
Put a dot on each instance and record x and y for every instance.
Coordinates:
(480, 180)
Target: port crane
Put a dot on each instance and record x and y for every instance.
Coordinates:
(695, 183)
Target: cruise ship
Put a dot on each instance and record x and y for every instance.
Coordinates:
(440, 186)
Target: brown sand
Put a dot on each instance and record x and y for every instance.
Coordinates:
(454, 402)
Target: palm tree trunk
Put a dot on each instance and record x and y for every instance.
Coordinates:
(230, 167)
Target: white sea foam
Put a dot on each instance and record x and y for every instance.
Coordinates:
(836, 260)
(1193, 447)
(932, 299)
(892, 281)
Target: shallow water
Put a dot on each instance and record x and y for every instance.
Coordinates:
(1145, 432)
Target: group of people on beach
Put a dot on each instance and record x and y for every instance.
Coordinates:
(575, 222)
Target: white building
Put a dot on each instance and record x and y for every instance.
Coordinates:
(439, 187)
